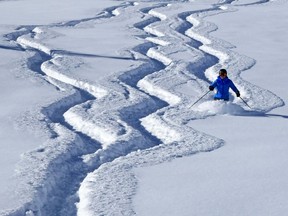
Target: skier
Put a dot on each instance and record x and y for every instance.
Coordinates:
(223, 83)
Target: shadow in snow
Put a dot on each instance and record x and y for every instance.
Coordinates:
(271, 115)
(11, 48)
(63, 52)
(260, 114)
(277, 115)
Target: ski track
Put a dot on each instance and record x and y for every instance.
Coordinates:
(172, 132)
(141, 112)
(41, 64)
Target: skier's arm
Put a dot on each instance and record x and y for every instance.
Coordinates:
(213, 85)
(233, 87)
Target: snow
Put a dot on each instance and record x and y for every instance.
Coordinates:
(45, 12)
(219, 107)
(28, 93)
(246, 176)
(97, 114)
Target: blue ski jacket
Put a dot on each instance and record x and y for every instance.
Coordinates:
(222, 86)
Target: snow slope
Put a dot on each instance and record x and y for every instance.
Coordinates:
(94, 92)
(247, 176)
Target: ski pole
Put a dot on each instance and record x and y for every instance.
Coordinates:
(199, 99)
(245, 102)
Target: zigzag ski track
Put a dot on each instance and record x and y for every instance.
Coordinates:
(145, 115)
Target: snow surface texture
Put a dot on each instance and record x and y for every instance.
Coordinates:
(100, 95)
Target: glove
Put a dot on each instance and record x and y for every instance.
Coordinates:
(238, 94)
(211, 88)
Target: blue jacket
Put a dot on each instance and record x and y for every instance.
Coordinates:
(222, 86)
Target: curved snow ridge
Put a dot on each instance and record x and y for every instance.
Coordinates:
(115, 125)
(177, 46)
(115, 182)
(123, 133)
(234, 62)
(32, 39)
(153, 31)
(162, 83)
(43, 171)
(105, 126)
(51, 184)
(200, 32)
(161, 17)
(154, 54)
(99, 129)
(40, 186)
(103, 186)
(52, 70)
(167, 55)
(163, 53)
(170, 134)
(180, 133)
(158, 41)
(161, 129)
(147, 86)
(25, 41)
(55, 111)
(157, 14)
(47, 172)
(154, 15)
(117, 10)
(196, 36)
(52, 67)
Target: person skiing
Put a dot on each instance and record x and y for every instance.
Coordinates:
(222, 84)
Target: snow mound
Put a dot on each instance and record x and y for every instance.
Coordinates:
(220, 107)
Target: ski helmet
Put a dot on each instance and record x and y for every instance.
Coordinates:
(223, 72)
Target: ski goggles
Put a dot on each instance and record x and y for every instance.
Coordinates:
(222, 74)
